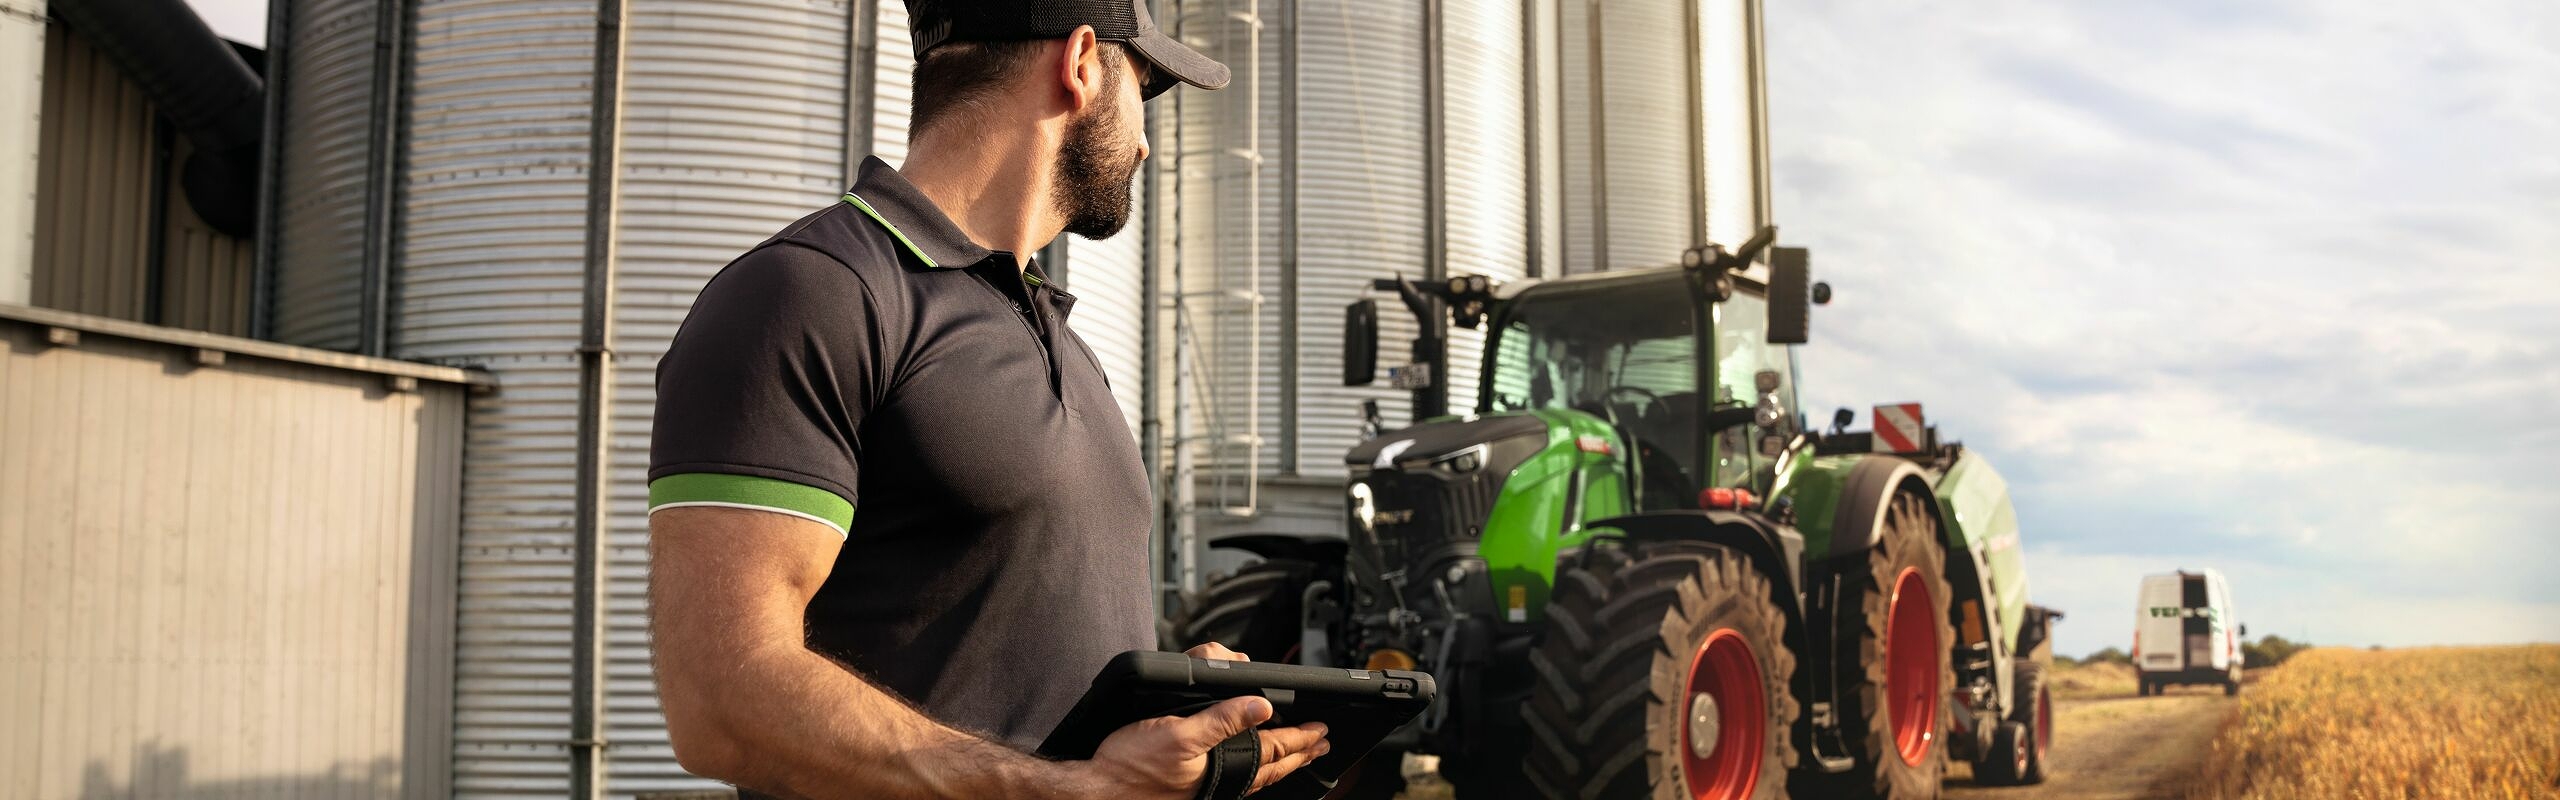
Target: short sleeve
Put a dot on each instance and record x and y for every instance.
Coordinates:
(762, 395)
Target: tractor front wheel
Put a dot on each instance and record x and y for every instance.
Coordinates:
(1664, 674)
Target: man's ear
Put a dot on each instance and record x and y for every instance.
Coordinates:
(1079, 68)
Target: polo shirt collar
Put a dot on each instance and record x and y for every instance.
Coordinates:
(912, 218)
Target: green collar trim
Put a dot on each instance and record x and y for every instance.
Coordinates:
(893, 229)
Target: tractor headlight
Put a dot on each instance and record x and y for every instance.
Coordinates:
(1364, 508)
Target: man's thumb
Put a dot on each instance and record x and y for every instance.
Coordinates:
(1230, 717)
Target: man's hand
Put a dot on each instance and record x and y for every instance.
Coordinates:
(1214, 650)
(1166, 756)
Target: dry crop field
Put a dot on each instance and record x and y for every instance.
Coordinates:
(2423, 723)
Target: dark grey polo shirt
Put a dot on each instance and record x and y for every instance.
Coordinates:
(872, 369)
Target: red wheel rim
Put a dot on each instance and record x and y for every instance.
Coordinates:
(1723, 684)
(1911, 666)
(2044, 722)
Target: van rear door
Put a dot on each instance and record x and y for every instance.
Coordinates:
(2158, 632)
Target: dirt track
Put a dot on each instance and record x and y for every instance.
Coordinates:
(2119, 748)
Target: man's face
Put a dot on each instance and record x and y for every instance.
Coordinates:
(1101, 153)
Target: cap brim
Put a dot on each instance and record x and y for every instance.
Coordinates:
(1175, 61)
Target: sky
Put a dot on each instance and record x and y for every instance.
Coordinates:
(243, 21)
(2271, 287)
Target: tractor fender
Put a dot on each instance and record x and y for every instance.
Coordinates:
(1774, 549)
(1864, 496)
(1319, 549)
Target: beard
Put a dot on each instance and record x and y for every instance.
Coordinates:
(1095, 165)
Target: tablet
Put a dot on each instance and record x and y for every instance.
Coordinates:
(1359, 707)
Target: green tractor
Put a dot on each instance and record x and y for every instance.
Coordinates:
(1637, 574)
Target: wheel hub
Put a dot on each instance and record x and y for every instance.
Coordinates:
(1703, 725)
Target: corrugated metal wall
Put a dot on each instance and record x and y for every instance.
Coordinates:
(1730, 94)
(1645, 66)
(100, 171)
(1487, 150)
(492, 275)
(94, 186)
(733, 125)
(320, 224)
(231, 581)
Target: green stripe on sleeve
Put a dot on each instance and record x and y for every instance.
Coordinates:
(747, 491)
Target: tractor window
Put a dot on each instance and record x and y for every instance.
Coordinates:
(1742, 352)
(1624, 355)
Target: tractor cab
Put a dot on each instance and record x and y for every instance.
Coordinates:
(1677, 375)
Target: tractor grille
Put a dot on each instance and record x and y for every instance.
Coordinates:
(1422, 509)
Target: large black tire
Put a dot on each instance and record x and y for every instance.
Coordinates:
(2018, 748)
(1255, 611)
(1884, 767)
(1608, 717)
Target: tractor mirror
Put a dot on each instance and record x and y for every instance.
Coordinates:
(1360, 343)
(1790, 295)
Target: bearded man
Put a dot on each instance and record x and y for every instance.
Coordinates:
(896, 520)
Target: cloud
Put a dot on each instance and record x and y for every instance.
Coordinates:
(2273, 286)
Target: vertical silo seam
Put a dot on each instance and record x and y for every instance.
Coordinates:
(1694, 60)
(373, 320)
(1435, 192)
(1599, 147)
(1533, 211)
(1759, 89)
(595, 360)
(861, 75)
(1290, 129)
(262, 269)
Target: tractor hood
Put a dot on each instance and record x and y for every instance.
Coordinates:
(1453, 440)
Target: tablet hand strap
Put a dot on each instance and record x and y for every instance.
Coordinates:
(1232, 767)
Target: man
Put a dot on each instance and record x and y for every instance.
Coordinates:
(896, 520)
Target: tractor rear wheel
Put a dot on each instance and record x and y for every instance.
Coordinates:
(1893, 617)
(1664, 674)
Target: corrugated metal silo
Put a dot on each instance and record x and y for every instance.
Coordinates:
(328, 82)
(732, 120)
(733, 124)
(1485, 96)
(1646, 149)
(492, 275)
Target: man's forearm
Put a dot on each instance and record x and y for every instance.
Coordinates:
(804, 726)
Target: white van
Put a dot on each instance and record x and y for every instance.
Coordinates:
(2184, 632)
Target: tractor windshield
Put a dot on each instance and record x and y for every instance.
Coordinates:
(1624, 351)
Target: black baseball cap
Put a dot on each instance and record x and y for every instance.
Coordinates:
(1125, 21)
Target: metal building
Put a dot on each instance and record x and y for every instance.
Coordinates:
(233, 564)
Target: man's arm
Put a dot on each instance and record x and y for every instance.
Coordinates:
(747, 702)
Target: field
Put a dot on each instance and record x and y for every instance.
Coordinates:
(2425, 723)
